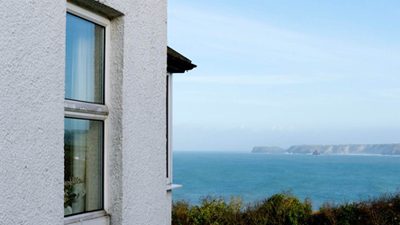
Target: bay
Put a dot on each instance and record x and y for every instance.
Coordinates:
(252, 176)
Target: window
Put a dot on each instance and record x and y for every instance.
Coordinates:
(169, 149)
(84, 71)
(85, 111)
(83, 160)
(169, 127)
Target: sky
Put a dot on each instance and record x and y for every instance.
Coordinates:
(282, 73)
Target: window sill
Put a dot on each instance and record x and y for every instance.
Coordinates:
(92, 218)
(173, 186)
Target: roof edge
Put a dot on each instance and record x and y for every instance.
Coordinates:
(177, 63)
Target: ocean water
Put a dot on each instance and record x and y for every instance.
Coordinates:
(252, 176)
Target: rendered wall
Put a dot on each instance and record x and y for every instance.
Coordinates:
(169, 206)
(32, 51)
(142, 170)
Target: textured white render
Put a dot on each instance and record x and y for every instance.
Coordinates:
(138, 188)
(32, 51)
(169, 206)
(32, 46)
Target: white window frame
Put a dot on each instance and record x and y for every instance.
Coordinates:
(169, 127)
(170, 185)
(93, 111)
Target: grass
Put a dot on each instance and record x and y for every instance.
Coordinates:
(286, 209)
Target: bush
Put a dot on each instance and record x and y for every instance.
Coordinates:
(278, 209)
(286, 209)
(211, 211)
(374, 211)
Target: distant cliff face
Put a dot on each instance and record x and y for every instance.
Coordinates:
(268, 149)
(383, 149)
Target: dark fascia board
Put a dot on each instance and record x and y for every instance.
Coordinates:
(97, 7)
(177, 63)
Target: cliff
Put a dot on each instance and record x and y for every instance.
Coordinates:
(350, 149)
(268, 149)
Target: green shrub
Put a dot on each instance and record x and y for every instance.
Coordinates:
(180, 212)
(211, 211)
(285, 209)
(279, 209)
(374, 211)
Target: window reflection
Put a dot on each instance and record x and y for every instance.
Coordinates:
(84, 69)
(83, 173)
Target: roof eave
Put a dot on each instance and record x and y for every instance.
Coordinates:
(177, 63)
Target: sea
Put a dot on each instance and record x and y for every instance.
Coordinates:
(251, 176)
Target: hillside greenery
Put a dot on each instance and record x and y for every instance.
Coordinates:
(286, 209)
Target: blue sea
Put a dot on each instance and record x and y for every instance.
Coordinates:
(252, 176)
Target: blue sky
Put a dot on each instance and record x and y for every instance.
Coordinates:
(280, 73)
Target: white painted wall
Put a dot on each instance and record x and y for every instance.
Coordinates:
(169, 206)
(32, 51)
(32, 41)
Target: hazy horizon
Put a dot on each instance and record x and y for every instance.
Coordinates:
(250, 150)
(283, 74)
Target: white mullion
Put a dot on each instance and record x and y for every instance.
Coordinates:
(84, 107)
(88, 116)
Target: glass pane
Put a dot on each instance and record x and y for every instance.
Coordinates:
(83, 173)
(84, 60)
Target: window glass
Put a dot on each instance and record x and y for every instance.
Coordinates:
(167, 118)
(84, 72)
(83, 173)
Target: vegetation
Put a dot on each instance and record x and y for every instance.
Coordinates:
(286, 209)
(69, 191)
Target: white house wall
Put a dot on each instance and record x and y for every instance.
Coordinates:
(32, 64)
(32, 49)
(169, 206)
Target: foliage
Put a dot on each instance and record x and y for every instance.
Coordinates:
(279, 209)
(373, 211)
(288, 210)
(212, 211)
(69, 191)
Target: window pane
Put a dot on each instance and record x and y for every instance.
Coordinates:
(83, 173)
(84, 60)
